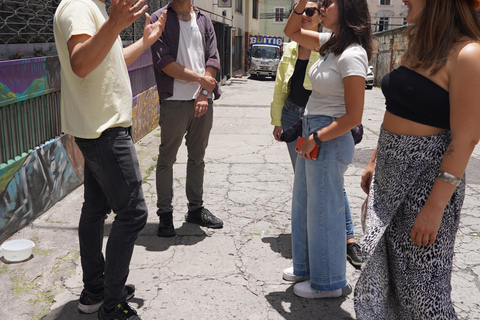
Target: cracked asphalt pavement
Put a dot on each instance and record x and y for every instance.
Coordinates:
(229, 273)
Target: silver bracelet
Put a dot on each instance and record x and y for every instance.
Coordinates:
(449, 178)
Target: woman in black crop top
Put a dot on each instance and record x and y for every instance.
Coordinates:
(415, 179)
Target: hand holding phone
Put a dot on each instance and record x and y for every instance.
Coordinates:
(313, 153)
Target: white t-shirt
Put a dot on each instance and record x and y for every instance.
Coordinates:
(327, 75)
(191, 55)
(103, 99)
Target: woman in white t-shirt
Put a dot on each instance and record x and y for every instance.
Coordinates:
(334, 107)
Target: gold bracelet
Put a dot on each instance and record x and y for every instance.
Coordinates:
(449, 178)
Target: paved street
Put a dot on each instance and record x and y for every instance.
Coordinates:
(230, 273)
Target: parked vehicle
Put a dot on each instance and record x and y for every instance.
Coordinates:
(264, 55)
(369, 78)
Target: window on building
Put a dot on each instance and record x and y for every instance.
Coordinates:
(405, 21)
(239, 6)
(383, 24)
(385, 2)
(279, 14)
(255, 9)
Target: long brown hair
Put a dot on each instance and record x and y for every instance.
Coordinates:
(354, 27)
(440, 25)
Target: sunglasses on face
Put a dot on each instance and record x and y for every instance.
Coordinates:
(310, 11)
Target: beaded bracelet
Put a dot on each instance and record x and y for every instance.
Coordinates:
(449, 178)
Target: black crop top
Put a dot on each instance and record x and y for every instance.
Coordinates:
(298, 94)
(412, 96)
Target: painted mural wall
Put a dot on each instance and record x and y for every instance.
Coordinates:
(34, 181)
(28, 78)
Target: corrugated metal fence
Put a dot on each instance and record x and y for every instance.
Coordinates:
(29, 123)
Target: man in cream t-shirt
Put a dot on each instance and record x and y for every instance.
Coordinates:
(96, 109)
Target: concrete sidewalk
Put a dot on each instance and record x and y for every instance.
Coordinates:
(230, 273)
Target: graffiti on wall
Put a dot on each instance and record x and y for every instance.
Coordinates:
(39, 76)
(45, 177)
(145, 113)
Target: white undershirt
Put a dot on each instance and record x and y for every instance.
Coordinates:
(191, 55)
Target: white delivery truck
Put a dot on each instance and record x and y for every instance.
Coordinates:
(264, 56)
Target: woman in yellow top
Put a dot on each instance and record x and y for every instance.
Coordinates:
(292, 90)
(292, 85)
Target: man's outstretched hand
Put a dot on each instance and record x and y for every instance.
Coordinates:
(124, 13)
(152, 32)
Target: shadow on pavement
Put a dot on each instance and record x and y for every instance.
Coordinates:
(188, 234)
(292, 307)
(281, 244)
(69, 311)
(5, 261)
(261, 78)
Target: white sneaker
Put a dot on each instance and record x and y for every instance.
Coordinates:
(304, 290)
(289, 276)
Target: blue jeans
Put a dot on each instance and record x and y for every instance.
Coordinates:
(112, 182)
(290, 114)
(318, 210)
(348, 217)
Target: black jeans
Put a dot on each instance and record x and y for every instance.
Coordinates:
(112, 182)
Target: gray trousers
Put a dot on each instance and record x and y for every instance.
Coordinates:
(176, 121)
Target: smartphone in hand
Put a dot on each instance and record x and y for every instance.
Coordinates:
(313, 153)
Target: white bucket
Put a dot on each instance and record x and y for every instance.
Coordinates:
(17, 250)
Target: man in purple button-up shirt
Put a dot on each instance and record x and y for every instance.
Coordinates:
(185, 62)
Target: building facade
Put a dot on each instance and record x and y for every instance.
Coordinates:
(273, 17)
(387, 14)
(245, 15)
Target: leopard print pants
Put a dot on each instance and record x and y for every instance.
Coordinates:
(401, 280)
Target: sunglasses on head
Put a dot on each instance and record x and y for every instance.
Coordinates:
(310, 11)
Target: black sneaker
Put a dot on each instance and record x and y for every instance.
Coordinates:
(122, 312)
(165, 227)
(205, 218)
(90, 303)
(354, 255)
